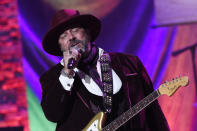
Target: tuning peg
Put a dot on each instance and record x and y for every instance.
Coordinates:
(177, 78)
(182, 77)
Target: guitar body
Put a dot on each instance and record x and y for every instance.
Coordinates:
(96, 123)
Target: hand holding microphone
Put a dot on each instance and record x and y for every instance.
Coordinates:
(71, 58)
(72, 62)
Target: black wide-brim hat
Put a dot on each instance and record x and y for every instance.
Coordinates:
(65, 19)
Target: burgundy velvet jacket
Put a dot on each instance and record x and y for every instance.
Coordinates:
(71, 114)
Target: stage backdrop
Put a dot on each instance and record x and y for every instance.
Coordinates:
(13, 102)
(127, 28)
(170, 12)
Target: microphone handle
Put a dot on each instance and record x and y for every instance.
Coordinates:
(71, 63)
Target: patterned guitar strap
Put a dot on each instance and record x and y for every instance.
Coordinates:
(107, 81)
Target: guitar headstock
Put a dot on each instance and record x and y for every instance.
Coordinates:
(170, 87)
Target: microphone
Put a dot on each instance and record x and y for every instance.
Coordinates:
(72, 62)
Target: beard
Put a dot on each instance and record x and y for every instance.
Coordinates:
(82, 46)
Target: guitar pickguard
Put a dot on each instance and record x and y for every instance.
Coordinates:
(93, 126)
(96, 123)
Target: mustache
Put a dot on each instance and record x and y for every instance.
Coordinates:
(74, 42)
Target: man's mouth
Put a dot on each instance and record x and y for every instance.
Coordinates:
(75, 42)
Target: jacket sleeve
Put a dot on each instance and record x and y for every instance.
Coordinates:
(56, 101)
(154, 115)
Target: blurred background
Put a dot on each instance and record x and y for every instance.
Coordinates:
(163, 34)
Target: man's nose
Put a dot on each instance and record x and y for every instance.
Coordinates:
(72, 39)
(71, 36)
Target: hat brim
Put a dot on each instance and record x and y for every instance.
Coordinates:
(50, 41)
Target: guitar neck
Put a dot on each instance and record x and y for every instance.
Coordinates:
(114, 125)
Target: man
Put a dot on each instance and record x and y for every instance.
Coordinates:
(88, 80)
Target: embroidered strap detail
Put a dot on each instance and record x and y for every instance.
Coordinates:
(107, 81)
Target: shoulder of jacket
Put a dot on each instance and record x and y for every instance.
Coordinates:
(53, 70)
(124, 56)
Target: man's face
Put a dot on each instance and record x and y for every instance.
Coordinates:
(74, 38)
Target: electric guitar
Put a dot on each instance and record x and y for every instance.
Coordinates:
(168, 88)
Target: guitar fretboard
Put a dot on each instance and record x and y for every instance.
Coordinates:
(131, 112)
